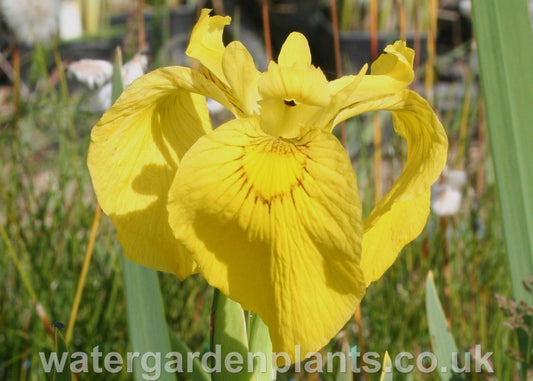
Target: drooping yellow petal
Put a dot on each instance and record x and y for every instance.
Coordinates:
(401, 215)
(134, 154)
(274, 224)
(206, 43)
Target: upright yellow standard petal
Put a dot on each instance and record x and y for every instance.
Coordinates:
(231, 68)
(274, 223)
(242, 76)
(134, 154)
(295, 51)
(206, 43)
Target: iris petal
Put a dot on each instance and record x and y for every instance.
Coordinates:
(390, 73)
(231, 68)
(292, 91)
(401, 215)
(206, 43)
(242, 76)
(274, 224)
(295, 51)
(134, 154)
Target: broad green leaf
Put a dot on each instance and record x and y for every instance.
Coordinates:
(441, 339)
(195, 373)
(505, 49)
(386, 370)
(229, 342)
(63, 374)
(259, 342)
(146, 320)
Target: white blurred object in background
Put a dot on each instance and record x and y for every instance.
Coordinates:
(446, 195)
(96, 74)
(70, 26)
(93, 73)
(134, 68)
(31, 20)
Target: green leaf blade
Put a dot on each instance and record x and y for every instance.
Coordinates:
(146, 319)
(441, 339)
(505, 50)
(259, 342)
(63, 374)
(117, 82)
(229, 337)
(195, 373)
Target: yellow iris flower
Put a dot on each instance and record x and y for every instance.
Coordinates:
(266, 206)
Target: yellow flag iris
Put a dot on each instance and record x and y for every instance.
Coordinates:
(265, 207)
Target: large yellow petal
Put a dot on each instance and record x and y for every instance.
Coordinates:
(401, 215)
(274, 224)
(134, 154)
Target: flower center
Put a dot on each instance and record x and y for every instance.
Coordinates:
(289, 102)
(274, 167)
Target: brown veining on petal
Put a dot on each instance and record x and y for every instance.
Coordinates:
(273, 168)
